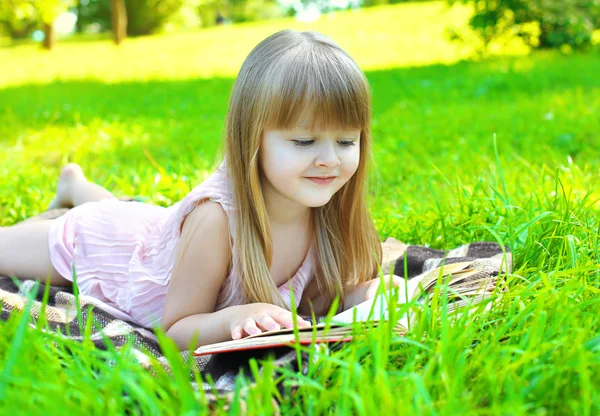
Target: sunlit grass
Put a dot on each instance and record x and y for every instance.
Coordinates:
(146, 120)
(380, 37)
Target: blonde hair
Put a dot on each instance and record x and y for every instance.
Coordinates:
(283, 76)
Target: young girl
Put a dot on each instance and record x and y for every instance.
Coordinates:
(284, 211)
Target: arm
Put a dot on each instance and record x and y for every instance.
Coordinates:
(201, 265)
(354, 296)
(313, 298)
(368, 290)
(209, 327)
(234, 322)
(201, 262)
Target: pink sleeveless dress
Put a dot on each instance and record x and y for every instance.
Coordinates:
(123, 252)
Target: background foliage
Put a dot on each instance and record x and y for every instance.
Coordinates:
(541, 23)
(18, 18)
(504, 149)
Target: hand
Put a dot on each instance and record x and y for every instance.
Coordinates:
(254, 318)
(373, 285)
(367, 290)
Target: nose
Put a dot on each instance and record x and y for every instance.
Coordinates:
(327, 157)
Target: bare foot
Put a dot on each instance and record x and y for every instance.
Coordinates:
(69, 174)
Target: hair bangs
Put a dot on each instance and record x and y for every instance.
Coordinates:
(318, 91)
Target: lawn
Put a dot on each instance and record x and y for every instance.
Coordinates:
(505, 149)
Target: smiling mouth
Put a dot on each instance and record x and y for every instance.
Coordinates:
(321, 180)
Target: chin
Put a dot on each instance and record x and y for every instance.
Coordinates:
(315, 203)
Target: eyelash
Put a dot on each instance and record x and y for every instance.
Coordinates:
(304, 143)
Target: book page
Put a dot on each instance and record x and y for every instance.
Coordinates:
(374, 310)
(404, 293)
(452, 271)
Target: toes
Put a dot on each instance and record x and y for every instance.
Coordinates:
(69, 174)
(71, 170)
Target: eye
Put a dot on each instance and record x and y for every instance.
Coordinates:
(343, 143)
(303, 142)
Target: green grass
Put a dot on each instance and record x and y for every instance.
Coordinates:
(146, 119)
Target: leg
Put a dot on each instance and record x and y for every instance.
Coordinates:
(74, 189)
(25, 253)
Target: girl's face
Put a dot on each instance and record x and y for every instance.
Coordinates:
(288, 158)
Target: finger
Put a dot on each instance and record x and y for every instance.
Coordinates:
(398, 281)
(267, 323)
(303, 323)
(250, 327)
(236, 332)
(391, 281)
(285, 320)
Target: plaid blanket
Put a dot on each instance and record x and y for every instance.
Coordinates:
(61, 312)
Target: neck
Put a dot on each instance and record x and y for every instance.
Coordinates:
(287, 214)
(284, 212)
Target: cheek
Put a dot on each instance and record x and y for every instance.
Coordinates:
(350, 164)
(280, 166)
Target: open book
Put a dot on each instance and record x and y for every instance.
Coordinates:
(468, 284)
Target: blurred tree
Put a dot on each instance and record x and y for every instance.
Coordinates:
(148, 16)
(143, 16)
(119, 20)
(94, 15)
(187, 18)
(213, 12)
(253, 10)
(541, 23)
(209, 10)
(18, 18)
(371, 3)
(48, 11)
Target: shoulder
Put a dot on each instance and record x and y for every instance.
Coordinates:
(206, 229)
(207, 211)
(211, 198)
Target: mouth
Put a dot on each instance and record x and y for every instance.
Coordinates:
(321, 180)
